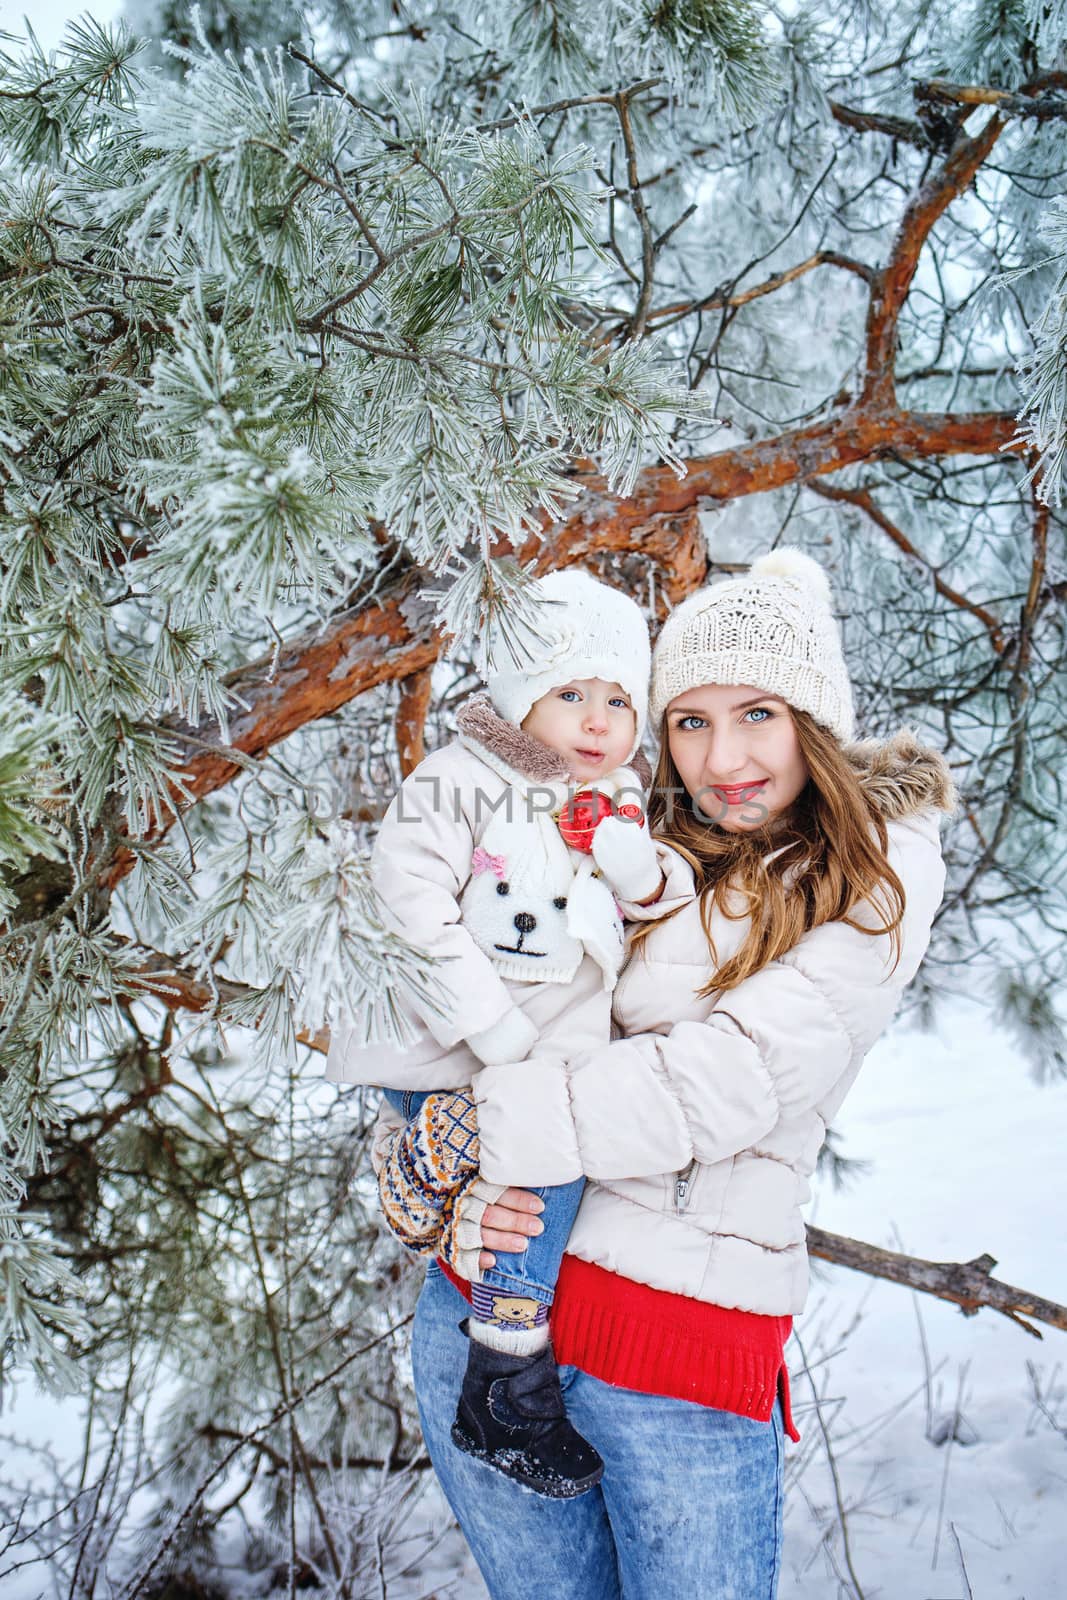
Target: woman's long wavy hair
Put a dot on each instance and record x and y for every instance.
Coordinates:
(834, 858)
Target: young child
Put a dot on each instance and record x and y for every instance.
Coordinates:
(472, 864)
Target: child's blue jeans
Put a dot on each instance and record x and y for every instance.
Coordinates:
(531, 1272)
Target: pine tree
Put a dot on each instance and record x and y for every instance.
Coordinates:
(313, 352)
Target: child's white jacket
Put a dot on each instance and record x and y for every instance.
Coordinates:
(473, 876)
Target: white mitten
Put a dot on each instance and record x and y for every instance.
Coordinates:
(624, 851)
(510, 1039)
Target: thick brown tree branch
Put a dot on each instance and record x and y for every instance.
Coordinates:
(1036, 101)
(388, 638)
(890, 287)
(393, 637)
(411, 719)
(862, 432)
(967, 1284)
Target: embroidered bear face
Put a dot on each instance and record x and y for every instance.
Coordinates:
(515, 1311)
(515, 905)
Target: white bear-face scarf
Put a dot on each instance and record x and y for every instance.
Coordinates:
(534, 905)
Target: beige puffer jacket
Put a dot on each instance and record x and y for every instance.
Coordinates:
(700, 1129)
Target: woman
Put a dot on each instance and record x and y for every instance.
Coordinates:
(802, 876)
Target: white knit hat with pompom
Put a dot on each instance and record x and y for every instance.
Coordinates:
(773, 628)
(589, 630)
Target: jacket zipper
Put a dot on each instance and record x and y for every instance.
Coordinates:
(681, 1186)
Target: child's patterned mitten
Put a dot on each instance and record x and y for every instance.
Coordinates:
(427, 1161)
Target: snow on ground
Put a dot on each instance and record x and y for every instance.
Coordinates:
(966, 1157)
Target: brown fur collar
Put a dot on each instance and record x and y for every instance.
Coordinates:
(901, 775)
(481, 724)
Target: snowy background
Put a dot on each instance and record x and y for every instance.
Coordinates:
(48, 18)
(934, 1451)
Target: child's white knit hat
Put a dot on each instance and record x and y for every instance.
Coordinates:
(773, 628)
(590, 631)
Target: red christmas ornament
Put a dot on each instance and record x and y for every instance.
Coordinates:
(581, 816)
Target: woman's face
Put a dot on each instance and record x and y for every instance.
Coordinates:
(737, 752)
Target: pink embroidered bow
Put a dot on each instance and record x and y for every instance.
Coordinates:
(482, 861)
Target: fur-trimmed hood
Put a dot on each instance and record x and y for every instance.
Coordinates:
(480, 724)
(901, 775)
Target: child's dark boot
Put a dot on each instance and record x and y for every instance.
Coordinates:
(511, 1416)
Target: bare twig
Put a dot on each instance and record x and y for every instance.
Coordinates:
(575, 101)
(722, 299)
(831, 1463)
(968, 1592)
(967, 1284)
(644, 222)
(864, 500)
(950, 1441)
(898, 128)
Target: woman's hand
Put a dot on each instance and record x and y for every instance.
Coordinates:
(509, 1223)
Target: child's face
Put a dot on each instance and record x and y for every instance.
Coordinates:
(590, 723)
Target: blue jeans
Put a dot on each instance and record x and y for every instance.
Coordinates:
(531, 1272)
(690, 1503)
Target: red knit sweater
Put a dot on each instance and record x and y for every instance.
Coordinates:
(660, 1343)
